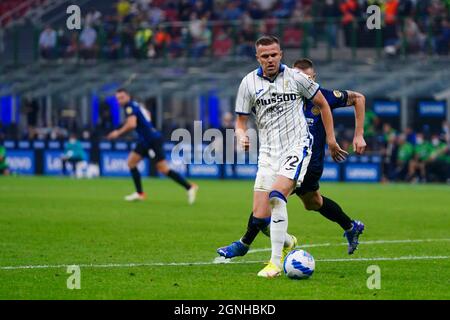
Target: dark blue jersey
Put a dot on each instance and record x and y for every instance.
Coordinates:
(336, 99)
(147, 133)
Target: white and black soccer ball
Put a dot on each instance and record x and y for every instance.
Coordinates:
(299, 264)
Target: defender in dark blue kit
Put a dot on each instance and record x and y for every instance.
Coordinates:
(308, 192)
(139, 119)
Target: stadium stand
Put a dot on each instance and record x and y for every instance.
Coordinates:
(158, 47)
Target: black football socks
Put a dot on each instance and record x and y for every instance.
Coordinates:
(136, 179)
(254, 226)
(175, 176)
(332, 211)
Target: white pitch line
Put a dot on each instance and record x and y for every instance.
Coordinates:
(220, 260)
(387, 258)
(361, 242)
(163, 264)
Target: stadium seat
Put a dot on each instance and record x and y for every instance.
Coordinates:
(292, 37)
(11, 5)
(222, 47)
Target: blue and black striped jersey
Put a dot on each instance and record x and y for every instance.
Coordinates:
(336, 99)
(145, 129)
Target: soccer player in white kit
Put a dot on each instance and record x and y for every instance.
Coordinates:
(274, 94)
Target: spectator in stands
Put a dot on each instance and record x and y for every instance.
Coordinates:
(389, 152)
(232, 11)
(405, 153)
(284, 9)
(201, 39)
(405, 8)
(422, 153)
(414, 38)
(445, 131)
(162, 40)
(63, 41)
(47, 42)
(155, 15)
(142, 40)
(371, 122)
(73, 154)
(195, 26)
(388, 131)
(185, 8)
(4, 168)
(178, 43)
(247, 36)
(112, 48)
(93, 18)
(88, 43)
(254, 10)
(438, 164)
(331, 14)
(127, 42)
(201, 9)
(424, 17)
(350, 13)
(266, 5)
(67, 44)
(422, 13)
(441, 41)
(123, 8)
(410, 135)
(31, 109)
(390, 30)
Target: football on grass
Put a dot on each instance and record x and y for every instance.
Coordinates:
(299, 264)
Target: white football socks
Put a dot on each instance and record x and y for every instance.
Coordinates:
(278, 226)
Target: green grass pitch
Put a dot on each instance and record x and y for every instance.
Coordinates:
(54, 222)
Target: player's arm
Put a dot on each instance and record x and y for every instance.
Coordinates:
(130, 124)
(438, 152)
(358, 100)
(336, 152)
(241, 131)
(243, 111)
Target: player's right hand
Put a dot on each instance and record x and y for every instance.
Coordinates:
(113, 135)
(338, 154)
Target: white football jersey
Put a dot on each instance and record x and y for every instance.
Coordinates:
(278, 107)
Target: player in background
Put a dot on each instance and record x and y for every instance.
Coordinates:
(73, 154)
(139, 119)
(275, 94)
(309, 192)
(422, 153)
(4, 168)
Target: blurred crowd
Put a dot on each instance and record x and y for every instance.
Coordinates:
(412, 155)
(409, 155)
(171, 28)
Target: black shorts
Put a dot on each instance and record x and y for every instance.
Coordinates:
(310, 182)
(156, 145)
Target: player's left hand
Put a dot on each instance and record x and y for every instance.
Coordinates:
(359, 144)
(336, 152)
(113, 135)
